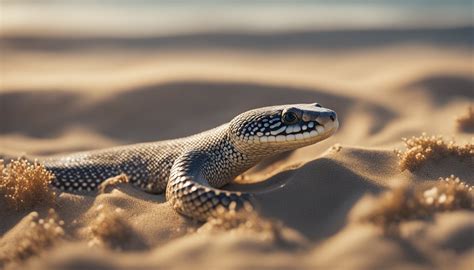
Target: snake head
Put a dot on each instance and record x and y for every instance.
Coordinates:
(283, 128)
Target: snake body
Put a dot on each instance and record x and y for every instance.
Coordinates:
(191, 170)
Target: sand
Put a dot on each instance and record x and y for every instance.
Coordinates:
(62, 95)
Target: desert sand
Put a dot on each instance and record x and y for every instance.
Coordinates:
(61, 94)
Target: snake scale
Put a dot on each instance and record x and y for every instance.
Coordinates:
(191, 170)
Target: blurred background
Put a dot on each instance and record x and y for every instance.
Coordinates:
(161, 17)
(81, 74)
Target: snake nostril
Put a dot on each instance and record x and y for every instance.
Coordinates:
(332, 116)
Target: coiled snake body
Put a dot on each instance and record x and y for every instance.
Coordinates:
(190, 170)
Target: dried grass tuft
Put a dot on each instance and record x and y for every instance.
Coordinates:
(22, 184)
(110, 229)
(42, 234)
(419, 201)
(245, 222)
(424, 148)
(465, 123)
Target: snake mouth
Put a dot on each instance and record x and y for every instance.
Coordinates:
(305, 131)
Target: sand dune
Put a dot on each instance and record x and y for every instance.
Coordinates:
(384, 84)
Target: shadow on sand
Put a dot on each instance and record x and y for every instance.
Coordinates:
(156, 112)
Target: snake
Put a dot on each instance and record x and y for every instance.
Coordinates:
(191, 171)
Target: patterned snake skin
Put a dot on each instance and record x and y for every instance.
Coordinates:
(190, 170)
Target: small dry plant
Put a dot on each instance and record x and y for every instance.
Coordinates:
(109, 228)
(245, 220)
(419, 201)
(22, 184)
(424, 148)
(41, 234)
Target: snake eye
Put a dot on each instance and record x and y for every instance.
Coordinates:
(318, 105)
(290, 118)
